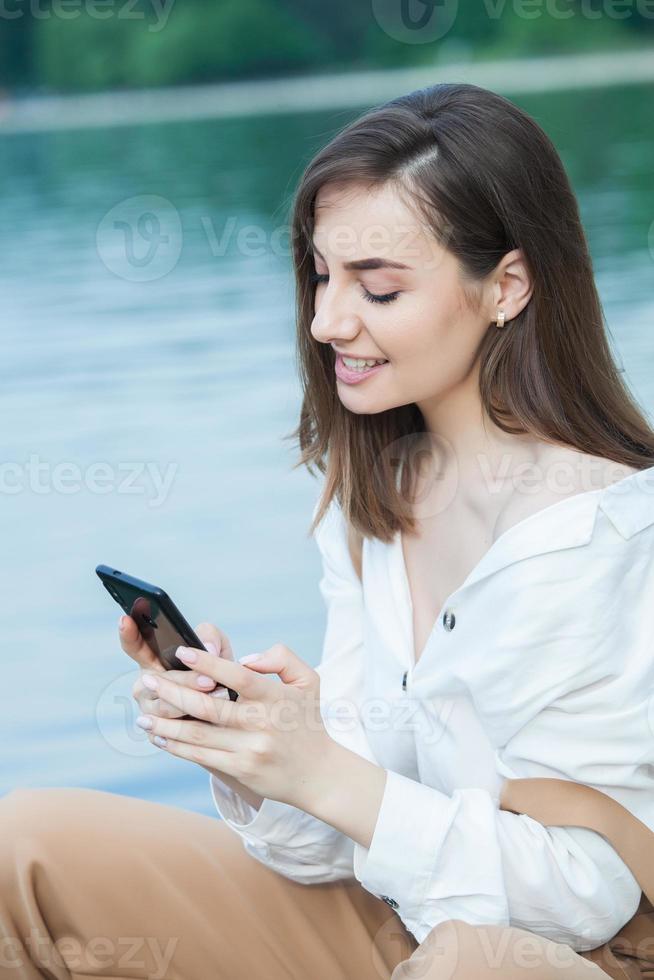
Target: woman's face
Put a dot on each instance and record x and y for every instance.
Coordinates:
(424, 328)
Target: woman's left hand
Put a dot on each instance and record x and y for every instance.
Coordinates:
(272, 738)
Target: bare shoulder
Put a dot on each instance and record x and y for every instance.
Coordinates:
(566, 471)
(560, 472)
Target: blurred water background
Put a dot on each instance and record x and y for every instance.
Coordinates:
(119, 373)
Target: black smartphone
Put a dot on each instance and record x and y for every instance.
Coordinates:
(160, 622)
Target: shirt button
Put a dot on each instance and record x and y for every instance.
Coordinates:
(389, 901)
(449, 619)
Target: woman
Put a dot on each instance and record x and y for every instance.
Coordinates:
(486, 529)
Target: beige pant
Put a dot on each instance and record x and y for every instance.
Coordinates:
(94, 884)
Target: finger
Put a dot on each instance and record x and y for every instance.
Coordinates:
(229, 673)
(187, 678)
(149, 701)
(220, 760)
(280, 659)
(206, 707)
(193, 732)
(209, 633)
(132, 642)
(160, 708)
(141, 693)
(191, 678)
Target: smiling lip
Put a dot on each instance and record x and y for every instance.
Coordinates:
(358, 357)
(354, 377)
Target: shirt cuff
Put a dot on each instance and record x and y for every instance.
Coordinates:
(236, 811)
(412, 822)
(273, 824)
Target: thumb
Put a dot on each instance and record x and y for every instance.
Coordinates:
(279, 659)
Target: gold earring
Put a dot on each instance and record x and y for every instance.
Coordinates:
(500, 318)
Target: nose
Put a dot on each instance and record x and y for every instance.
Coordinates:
(332, 321)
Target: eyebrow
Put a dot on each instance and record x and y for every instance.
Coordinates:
(364, 264)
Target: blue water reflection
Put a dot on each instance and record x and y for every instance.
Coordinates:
(189, 379)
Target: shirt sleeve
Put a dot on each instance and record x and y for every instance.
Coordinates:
(292, 842)
(439, 857)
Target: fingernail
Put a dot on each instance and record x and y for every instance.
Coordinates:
(187, 655)
(205, 681)
(144, 722)
(159, 740)
(211, 647)
(121, 623)
(249, 658)
(220, 692)
(151, 682)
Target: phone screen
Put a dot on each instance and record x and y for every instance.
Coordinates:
(160, 622)
(156, 629)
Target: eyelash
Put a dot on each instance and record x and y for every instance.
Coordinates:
(317, 277)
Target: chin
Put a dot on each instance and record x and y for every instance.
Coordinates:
(363, 406)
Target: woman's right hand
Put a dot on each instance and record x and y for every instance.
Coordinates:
(217, 642)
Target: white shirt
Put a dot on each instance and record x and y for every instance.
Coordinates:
(540, 664)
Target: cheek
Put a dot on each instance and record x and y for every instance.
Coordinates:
(438, 321)
(419, 331)
(432, 345)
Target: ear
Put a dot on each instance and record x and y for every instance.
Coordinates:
(512, 284)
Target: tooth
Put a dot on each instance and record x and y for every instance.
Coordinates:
(359, 363)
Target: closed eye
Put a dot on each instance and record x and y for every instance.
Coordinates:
(318, 277)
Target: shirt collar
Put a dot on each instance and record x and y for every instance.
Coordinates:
(629, 503)
(570, 522)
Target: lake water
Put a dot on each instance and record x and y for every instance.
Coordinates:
(145, 402)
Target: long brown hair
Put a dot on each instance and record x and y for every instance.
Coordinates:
(486, 179)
